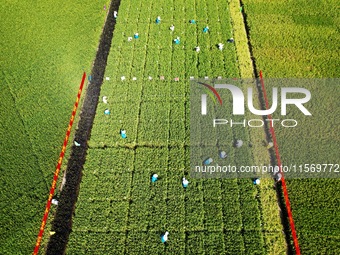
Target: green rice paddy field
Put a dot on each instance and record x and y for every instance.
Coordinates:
(45, 48)
(119, 210)
(300, 39)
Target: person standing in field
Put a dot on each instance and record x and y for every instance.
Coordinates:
(256, 181)
(164, 237)
(154, 178)
(185, 182)
(230, 40)
(123, 133)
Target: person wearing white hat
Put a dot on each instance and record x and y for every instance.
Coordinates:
(123, 133)
(154, 178)
(208, 161)
(177, 41)
(164, 237)
(278, 177)
(257, 181)
(239, 143)
(172, 28)
(185, 182)
(220, 46)
(230, 40)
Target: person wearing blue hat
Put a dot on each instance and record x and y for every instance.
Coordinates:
(206, 29)
(136, 36)
(208, 161)
(192, 21)
(177, 41)
(107, 112)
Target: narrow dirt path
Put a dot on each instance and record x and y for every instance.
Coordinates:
(62, 223)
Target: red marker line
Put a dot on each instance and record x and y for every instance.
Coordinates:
(213, 90)
(56, 173)
(284, 186)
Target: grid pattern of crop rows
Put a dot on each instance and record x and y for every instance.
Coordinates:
(119, 210)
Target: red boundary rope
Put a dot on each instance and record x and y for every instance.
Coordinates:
(284, 186)
(56, 173)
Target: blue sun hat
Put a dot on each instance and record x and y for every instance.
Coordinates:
(206, 29)
(136, 36)
(177, 40)
(208, 161)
